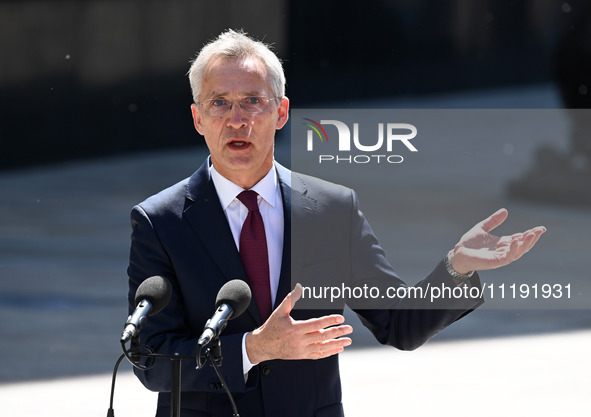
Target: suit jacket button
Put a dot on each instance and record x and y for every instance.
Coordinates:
(215, 386)
(265, 370)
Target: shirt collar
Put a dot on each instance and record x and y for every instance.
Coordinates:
(227, 191)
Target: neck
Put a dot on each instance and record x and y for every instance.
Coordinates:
(245, 180)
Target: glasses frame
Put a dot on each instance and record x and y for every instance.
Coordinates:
(211, 100)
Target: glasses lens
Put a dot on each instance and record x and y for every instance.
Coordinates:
(253, 104)
(217, 107)
(250, 104)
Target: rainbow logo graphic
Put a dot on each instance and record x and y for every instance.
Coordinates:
(316, 127)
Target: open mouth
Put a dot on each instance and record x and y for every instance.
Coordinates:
(238, 144)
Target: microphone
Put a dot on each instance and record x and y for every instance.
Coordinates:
(150, 298)
(232, 300)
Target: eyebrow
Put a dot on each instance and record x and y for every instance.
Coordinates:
(255, 93)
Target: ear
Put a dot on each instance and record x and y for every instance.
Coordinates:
(283, 112)
(196, 118)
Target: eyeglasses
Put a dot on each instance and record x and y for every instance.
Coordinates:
(250, 104)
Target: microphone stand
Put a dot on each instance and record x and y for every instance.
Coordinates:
(213, 354)
(175, 392)
(111, 411)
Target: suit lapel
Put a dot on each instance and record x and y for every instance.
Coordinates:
(298, 203)
(285, 276)
(295, 201)
(204, 213)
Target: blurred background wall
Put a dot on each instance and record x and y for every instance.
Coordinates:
(95, 77)
(81, 79)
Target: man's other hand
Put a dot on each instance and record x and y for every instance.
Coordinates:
(282, 337)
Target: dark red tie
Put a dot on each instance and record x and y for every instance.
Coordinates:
(253, 251)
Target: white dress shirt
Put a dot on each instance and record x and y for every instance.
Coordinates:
(271, 208)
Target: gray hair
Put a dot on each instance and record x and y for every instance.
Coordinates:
(237, 45)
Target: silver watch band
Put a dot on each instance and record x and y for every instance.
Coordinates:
(458, 278)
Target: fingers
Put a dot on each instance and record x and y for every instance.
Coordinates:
(327, 334)
(329, 348)
(538, 231)
(527, 240)
(494, 220)
(296, 294)
(284, 309)
(316, 324)
(326, 342)
(518, 245)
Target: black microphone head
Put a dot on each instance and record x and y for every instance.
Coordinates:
(157, 291)
(236, 294)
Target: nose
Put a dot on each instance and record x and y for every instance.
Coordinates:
(237, 117)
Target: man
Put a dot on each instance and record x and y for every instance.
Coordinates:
(283, 363)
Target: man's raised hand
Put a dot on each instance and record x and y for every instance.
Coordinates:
(479, 250)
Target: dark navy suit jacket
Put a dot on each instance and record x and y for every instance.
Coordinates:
(182, 234)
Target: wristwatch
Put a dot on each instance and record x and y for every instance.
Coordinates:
(457, 277)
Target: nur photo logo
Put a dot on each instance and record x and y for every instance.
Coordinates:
(375, 147)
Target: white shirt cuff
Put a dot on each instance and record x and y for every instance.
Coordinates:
(246, 364)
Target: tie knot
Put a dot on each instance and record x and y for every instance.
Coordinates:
(249, 199)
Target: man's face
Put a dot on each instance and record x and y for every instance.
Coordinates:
(240, 143)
